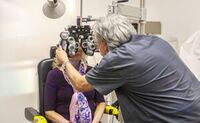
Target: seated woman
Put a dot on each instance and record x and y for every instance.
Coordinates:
(58, 93)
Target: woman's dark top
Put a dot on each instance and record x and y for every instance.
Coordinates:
(58, 94)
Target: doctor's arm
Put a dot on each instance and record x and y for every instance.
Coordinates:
(78, 81)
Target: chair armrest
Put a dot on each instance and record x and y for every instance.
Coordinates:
(30, 113)
(111, 110)
(34, 116)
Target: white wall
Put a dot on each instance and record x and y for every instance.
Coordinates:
(25, 38)
(179, 18)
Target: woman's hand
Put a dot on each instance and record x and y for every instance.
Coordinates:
(100, 107)
(55, 117)
(61, 55)
(95, 122)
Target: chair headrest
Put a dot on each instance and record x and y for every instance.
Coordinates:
(53, 51)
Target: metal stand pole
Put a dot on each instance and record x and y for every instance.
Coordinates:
(79, 18)
(142, 21)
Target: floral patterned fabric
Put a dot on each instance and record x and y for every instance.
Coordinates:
(79, 109)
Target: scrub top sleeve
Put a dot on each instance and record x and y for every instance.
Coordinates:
(104, 78)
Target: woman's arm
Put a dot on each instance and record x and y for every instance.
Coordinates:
(50, 91)
(100, 107)
(55, 117)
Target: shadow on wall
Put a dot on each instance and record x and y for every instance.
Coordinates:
(190, 53)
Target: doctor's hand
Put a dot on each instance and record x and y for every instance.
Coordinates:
(61, 55)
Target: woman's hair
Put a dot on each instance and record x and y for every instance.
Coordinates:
(57, 64)
(114, 29)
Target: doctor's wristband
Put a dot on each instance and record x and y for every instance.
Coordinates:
(64, 64)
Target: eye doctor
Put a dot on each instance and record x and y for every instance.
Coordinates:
(151, 82)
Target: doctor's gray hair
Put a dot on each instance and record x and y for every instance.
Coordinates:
(114, 29)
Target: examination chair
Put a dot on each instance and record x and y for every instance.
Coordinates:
(43, 68)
